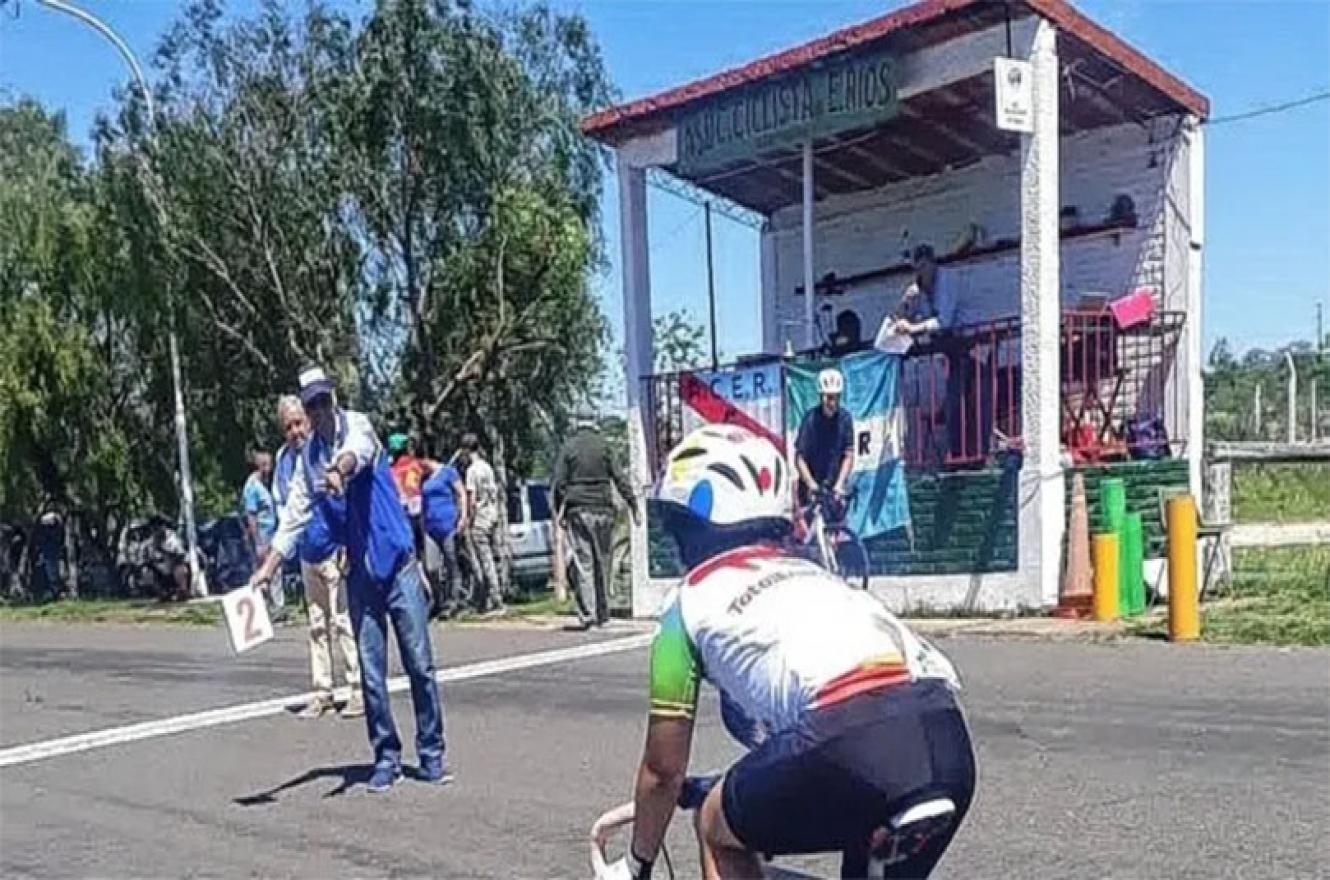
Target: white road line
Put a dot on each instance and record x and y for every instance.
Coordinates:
(111, 736)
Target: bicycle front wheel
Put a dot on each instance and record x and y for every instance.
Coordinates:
(825, 540)
(852, 561)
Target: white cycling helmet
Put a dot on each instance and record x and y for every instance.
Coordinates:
(830, 381)
(726, 476)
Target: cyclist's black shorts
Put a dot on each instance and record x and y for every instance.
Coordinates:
(845, 770)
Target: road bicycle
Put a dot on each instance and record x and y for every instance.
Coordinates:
(919, 821)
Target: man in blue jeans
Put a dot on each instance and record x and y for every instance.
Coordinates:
(344, 460)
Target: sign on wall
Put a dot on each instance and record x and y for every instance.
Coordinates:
(750, 397)
(1014, 81)
(843, 93)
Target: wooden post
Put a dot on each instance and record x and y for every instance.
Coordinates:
(1219, 512)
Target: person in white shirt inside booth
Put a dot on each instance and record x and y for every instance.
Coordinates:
(932, 305)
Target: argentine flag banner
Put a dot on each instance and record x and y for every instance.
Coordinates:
(872, 397)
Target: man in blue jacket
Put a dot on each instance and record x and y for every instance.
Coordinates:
(343, 459)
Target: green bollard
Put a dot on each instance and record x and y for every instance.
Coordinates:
(1132, 562)
(1112, 503)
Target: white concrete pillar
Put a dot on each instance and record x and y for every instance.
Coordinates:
(1193, 361)
(1041, 498)
(637, 348)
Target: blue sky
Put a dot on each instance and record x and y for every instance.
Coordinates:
(1268, 180)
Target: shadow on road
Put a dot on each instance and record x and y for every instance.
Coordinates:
(349, 774)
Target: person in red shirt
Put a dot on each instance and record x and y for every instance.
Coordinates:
(409, 473)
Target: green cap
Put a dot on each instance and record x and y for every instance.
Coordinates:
(397, 442)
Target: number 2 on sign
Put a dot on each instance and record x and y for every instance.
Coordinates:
(247, 611)
(246, 618)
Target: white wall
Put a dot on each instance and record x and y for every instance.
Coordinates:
(870, 230)
(914, 594)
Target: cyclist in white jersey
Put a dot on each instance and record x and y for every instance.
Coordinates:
(858, 714)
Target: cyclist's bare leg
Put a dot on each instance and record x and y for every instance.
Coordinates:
(722, 853)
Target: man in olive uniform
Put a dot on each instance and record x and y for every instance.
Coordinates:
(583, 474)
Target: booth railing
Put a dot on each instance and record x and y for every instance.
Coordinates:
(961, 392)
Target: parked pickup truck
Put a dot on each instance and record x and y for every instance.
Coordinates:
(531, 531)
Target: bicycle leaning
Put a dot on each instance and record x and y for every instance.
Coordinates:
(830, 542)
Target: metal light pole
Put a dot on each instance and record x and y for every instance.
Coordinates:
(181, 428)
(1292, 398)
(711, 290)
(1320, 332)
(1258, 414)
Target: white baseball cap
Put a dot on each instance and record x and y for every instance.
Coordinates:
(313, 383)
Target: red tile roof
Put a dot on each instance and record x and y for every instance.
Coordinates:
(614, 122)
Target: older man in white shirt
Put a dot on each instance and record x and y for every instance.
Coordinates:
(325, 592)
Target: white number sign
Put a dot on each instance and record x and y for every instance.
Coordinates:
(246, 618)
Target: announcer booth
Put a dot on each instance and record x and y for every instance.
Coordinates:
(1055, 175)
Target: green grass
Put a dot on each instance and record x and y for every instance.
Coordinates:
(1279, 596)
(523, 605)
(114, 611)
(1281, 492)
(541, 604)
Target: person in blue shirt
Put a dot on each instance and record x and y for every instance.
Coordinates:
(321, 574)
(445, 514)
(344, 464)
(259, 512)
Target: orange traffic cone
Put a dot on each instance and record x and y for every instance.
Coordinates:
(1076, 599)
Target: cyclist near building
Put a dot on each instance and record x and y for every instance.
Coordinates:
(860, 714)
(824, 448)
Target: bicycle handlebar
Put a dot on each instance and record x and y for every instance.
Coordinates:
(695, 790)
(600, 833)
(831, 504)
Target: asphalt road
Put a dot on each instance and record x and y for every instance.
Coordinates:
(1131, 759)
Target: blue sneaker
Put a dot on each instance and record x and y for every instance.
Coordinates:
(435, 772)
(384, 778)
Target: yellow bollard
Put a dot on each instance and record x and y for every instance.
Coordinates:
(1106, 577)
(1184, 606)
